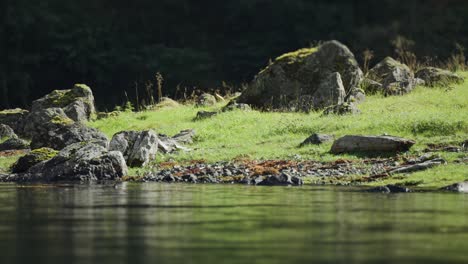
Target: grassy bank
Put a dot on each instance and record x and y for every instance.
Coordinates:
(427, 115)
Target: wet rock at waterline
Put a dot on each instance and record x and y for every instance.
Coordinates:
(137, 147)
(306, 79)
(65, 135)
(83, 162)
(434, 76)
(14, 144)
(317, 139)
(461, 187)
(371, 144)
(276, 180)
(389, 189)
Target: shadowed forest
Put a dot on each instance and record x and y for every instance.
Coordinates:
(118, 47)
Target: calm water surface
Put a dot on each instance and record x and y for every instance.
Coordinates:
(170, 223)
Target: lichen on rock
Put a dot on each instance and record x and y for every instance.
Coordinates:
(302, 78)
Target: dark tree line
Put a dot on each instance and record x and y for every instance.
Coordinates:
(115, 45)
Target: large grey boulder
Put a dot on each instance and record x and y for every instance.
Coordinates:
(371, 144)
(6, 132)
(137, 147)
(14, 118)
(77, 103)
(306, 79)
(396, 78)
(84, 161)
(330, 92)
(435, 76)
(67, 134)
(14, 144)
(40, 122)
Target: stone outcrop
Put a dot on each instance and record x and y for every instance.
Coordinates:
(77, 103)
(435, 76)
(371, 144)
(65, 135)
(34, 157)
(14, 118)
(307, 79)
(206, 100)
(137, 147)
(40, 122)
(396, 78)
(84, 161)
(6, 132)
(14, 144)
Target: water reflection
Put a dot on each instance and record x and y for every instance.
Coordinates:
(159, 223)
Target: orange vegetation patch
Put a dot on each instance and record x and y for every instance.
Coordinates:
(12, 153)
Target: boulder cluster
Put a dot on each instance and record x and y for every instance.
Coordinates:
(61, 147)
(64, 148)
(328, 78)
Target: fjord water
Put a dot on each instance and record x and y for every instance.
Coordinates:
(182, 223)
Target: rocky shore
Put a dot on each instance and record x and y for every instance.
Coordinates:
(58, 145)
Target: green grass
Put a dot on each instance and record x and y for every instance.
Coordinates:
(434, 178)
(6, 162)
(428, 115)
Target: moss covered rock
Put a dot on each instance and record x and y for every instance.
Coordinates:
(14, 144)
(14, 118)
(6, 132)
(206, 100)
(396, 78)
(306, 79)
(435, 76)
(66, 134)
(77, 103)
(32, 158)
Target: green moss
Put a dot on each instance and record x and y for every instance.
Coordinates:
(62, 98)
(291, 59)
(60, 120)
(13, 111)
(296, 56)
(44, 153)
